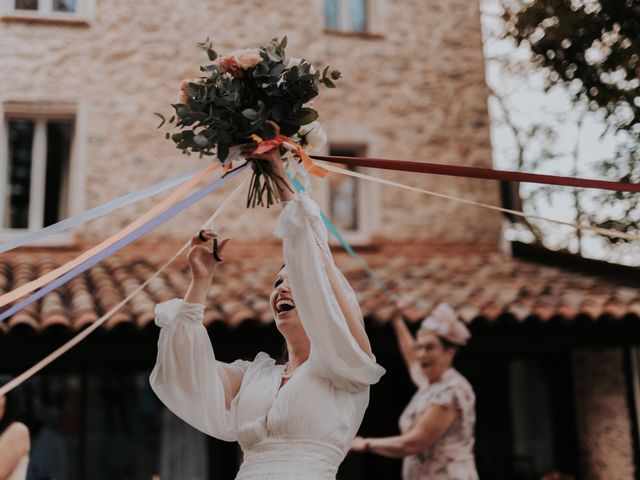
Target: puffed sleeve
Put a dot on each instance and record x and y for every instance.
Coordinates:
(455, 392)
(187, 378)
(335, 354)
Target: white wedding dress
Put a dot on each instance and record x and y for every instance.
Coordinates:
(302, 430)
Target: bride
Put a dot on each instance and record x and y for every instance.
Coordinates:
(295, 420)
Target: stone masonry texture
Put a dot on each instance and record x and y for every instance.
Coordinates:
(417, 92)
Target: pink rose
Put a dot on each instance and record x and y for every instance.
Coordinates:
(247, 57)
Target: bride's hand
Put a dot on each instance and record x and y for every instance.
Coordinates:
(359, 444)
(272, 156)
(200, 257)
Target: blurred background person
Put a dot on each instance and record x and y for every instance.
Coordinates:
(437, 425)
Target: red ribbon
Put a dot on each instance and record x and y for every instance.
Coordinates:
(475, 172)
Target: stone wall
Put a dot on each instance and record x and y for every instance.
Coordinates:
(604, 423)
(416, 93)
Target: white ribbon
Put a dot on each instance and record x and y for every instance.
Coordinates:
(7, 387)
(580, 226)
(96, 212)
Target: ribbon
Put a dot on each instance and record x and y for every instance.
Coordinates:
(52, 275)
(121, 243)
(579, 226)
(24, 376)
(475, 172)
(96, 212)
(338, 236)
(279, 139)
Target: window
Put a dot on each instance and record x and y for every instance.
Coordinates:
(66, 11)
(542, 421)
(352, 16)
(346, 15)
(36, 159)
(348, 201)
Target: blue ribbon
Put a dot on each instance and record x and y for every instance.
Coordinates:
(96, 212)
(123, 242)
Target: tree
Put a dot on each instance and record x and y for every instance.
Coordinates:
(592, 48)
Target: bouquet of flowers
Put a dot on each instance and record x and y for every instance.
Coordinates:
(251, 100)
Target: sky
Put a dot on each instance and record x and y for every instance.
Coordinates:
(529, 104)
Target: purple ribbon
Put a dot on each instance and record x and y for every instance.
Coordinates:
(123, 242)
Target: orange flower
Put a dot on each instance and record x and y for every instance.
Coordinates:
(230, 64)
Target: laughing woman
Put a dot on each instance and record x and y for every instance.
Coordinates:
(437, 436)
(295, 420)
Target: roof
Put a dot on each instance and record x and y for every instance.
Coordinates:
(480, 283)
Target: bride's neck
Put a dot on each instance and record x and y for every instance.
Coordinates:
(298, 352)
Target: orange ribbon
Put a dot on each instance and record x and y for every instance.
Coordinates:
(158, 208)
(309, 165)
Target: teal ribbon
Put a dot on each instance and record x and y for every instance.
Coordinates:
(338, 236)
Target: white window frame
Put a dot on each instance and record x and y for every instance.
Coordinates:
(368, 199)
(84, 14)
(73, 200)
(374, 24)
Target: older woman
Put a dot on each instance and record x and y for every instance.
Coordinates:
(437, 436)
(295, 420)
(14, 440)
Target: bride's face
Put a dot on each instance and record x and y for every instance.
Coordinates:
(282, 305)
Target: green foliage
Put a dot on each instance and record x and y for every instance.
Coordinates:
(230, 104)
(592, 45)
(593, 48)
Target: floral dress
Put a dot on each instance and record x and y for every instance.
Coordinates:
(451, 456)
(303, 429)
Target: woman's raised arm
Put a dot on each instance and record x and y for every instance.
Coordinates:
(406, 344)
(327, 305)
(187, 377)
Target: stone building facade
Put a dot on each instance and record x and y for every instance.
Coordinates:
(413, 88)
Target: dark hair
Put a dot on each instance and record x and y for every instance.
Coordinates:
(13, 411)
(284, 354)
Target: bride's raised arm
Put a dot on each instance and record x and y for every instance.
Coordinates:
(326, 303)
(187, 377)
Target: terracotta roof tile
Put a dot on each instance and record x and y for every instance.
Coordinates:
(479, 283)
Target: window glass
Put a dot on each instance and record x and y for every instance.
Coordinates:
(357, 15)
(58, 155)
(26, 5)
(64, 6)
(19, 173)
(331, 14)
